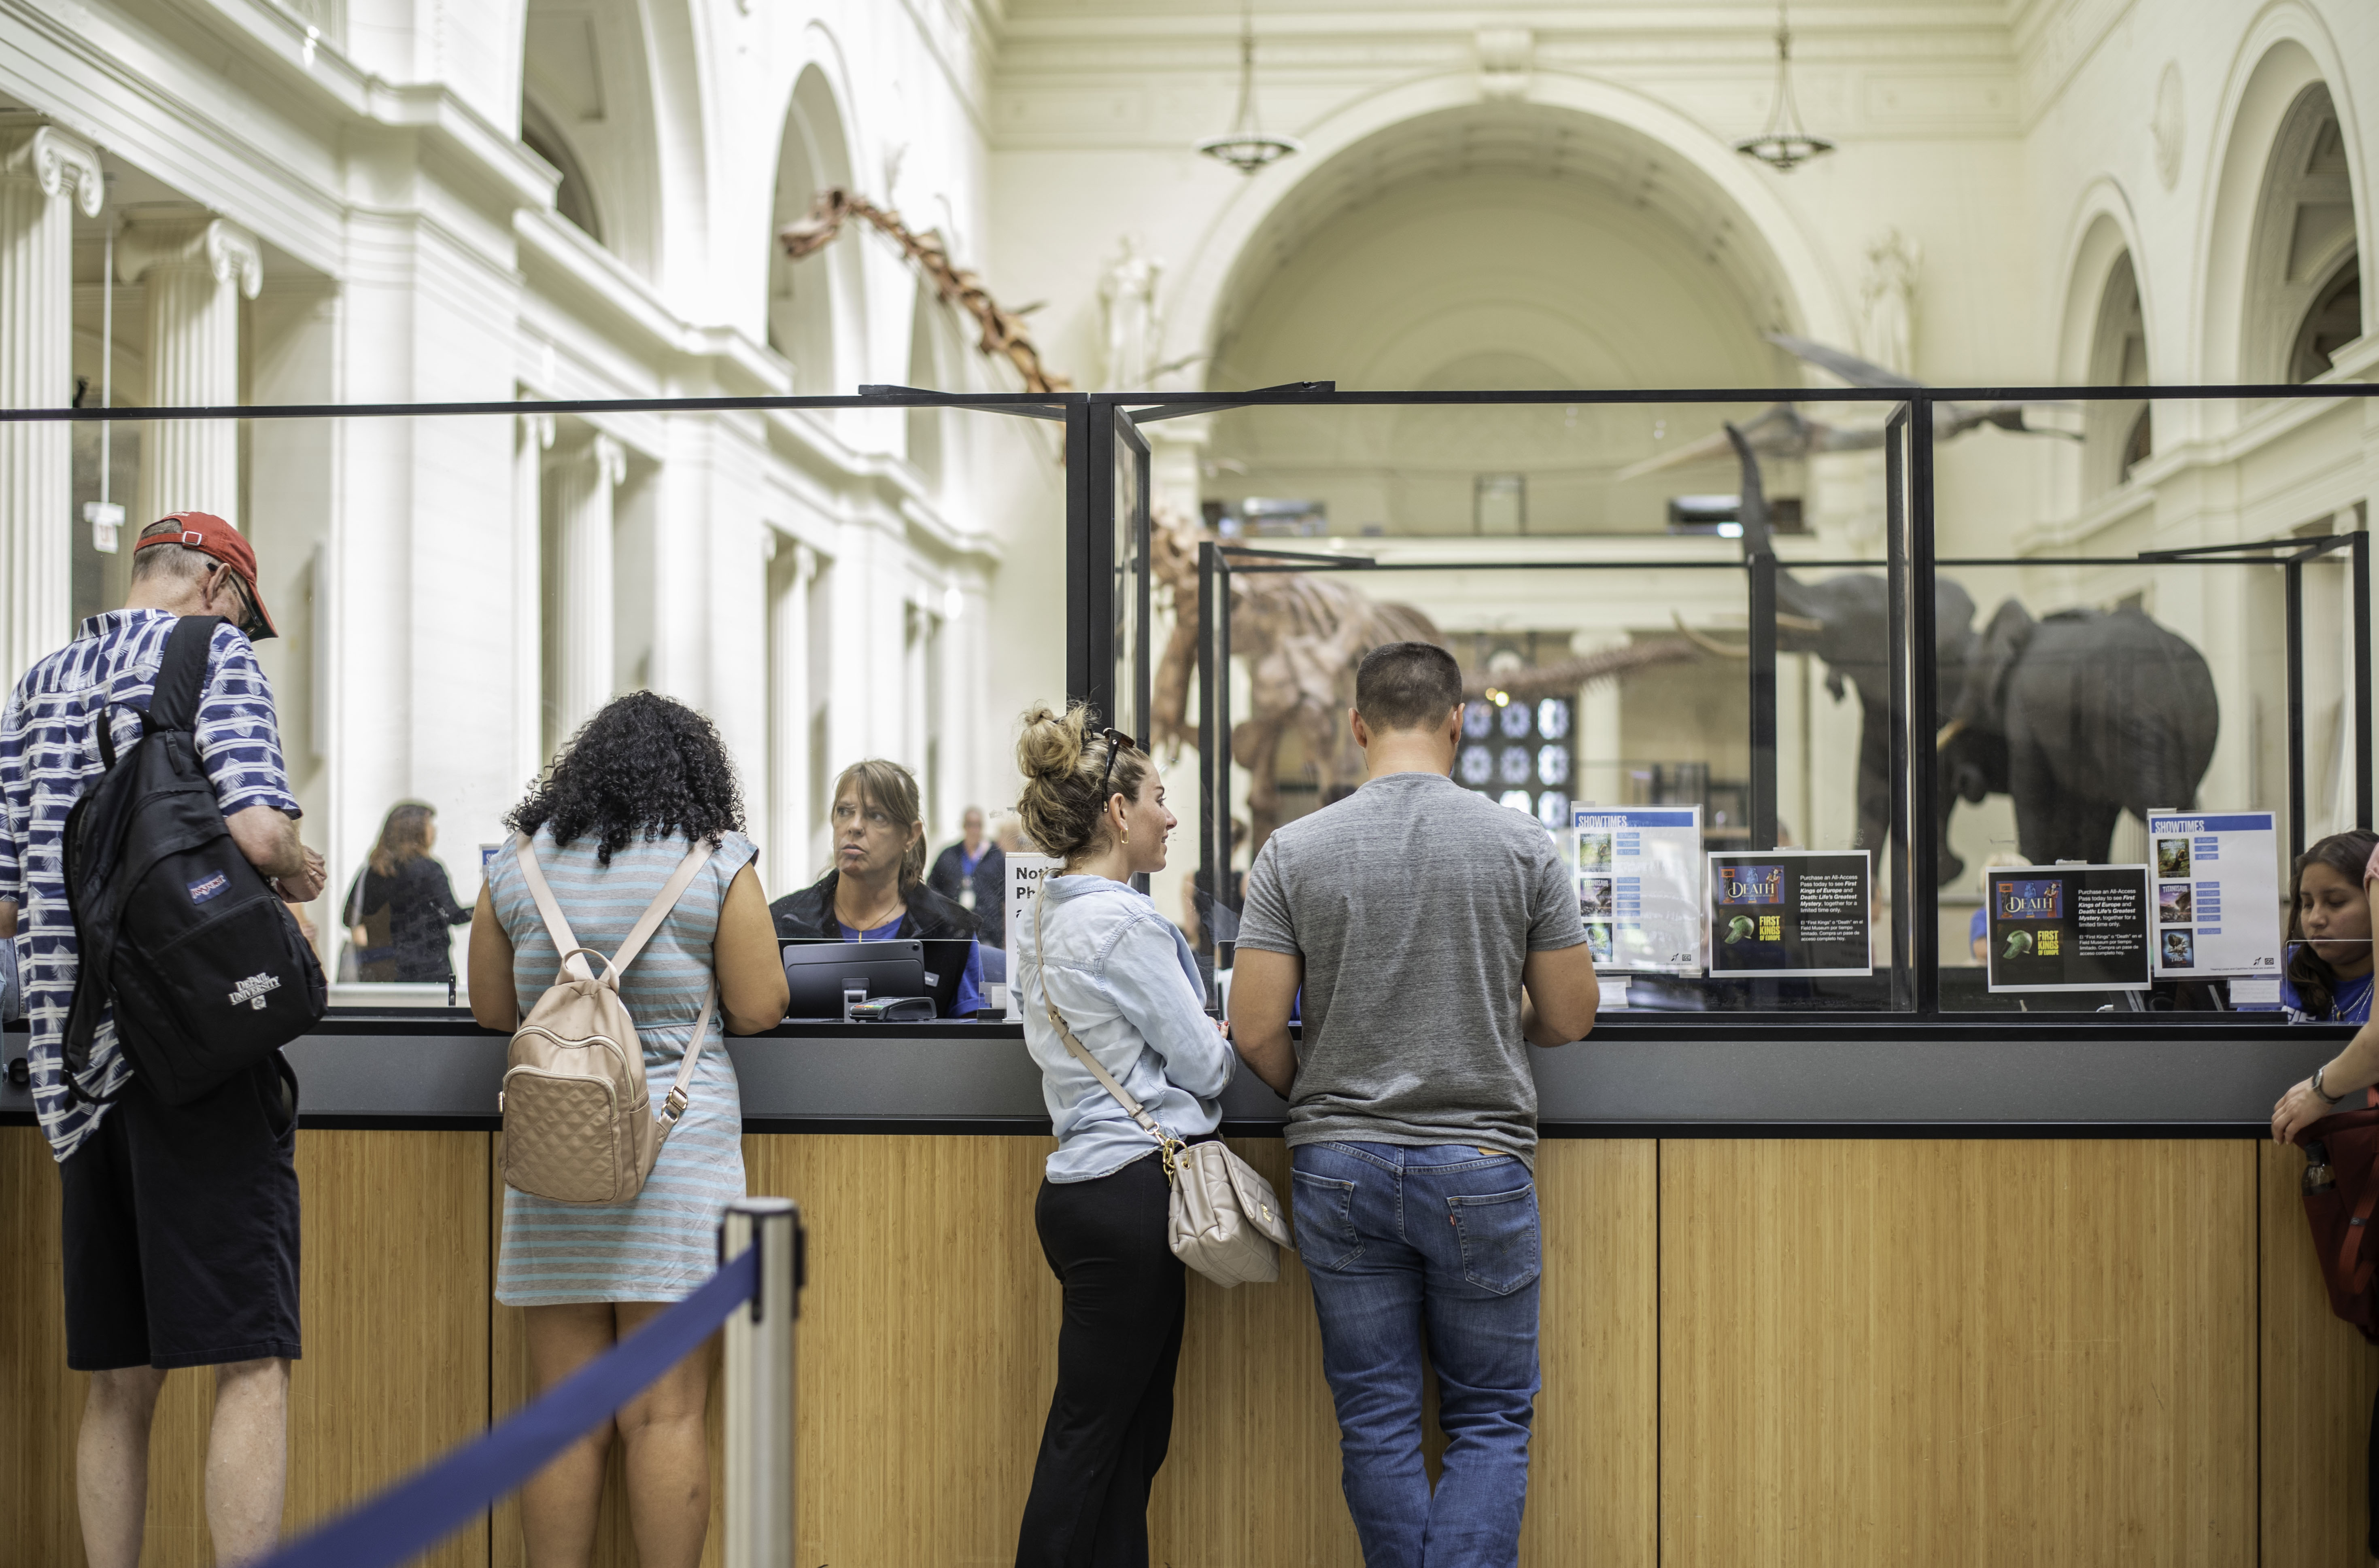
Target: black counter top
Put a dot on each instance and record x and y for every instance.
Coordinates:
(2047, 1076)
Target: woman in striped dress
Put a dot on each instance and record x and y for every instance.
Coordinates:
(643, 782)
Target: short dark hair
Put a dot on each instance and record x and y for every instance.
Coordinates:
(1408, 687)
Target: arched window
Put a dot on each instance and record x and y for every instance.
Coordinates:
(2304, 280)
(2117, 437)
(811, 157)
(574, 196)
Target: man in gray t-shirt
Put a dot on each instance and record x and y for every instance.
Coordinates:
(1434, 936)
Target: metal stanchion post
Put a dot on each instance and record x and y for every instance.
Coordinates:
(760, 1385)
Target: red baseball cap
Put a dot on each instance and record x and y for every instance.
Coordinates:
(210, 535)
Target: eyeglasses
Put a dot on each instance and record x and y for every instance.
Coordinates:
(251, 624)
(1116, 742)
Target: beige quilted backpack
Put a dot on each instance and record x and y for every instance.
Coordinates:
(578, 1120)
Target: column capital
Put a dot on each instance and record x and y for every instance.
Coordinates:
(61, 164)
(536, 429)
(220, 246)
(806, 562)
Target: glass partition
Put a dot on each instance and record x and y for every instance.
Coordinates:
(1789, 683)
(456, 593)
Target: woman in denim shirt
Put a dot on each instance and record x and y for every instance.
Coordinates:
(1125, 981)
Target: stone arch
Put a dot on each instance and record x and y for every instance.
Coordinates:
(588, 95)
(1804, 293)
(2287, 79)
(2105, 337)
(812, 301)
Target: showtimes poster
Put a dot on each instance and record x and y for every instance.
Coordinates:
(2217, 906)
(2070, 927)
(1790, 911)
(1639, 872)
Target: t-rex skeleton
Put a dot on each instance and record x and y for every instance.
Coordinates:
(1001, 333)
(1302, 636)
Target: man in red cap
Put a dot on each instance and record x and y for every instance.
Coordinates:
(181, 1222)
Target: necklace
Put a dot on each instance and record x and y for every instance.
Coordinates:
(2351, 1000)
(872, 922)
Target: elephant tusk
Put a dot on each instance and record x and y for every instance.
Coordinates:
(1798, 622)
(1949, 732)
(1706, 643)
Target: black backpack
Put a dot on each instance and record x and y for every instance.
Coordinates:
(205, 966)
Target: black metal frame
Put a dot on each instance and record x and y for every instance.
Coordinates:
(1911, 564)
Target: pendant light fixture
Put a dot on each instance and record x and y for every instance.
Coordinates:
(1247, 146)
(1784, 145)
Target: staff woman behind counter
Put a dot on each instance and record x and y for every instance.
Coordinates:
(876, 889)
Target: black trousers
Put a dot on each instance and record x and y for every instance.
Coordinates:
(1112, 1417)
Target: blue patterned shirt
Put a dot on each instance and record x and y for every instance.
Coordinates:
(48, 756)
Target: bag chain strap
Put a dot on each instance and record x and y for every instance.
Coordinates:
(1168, 1146)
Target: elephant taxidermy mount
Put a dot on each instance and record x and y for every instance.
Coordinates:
(2078, 718)
(1302, 635)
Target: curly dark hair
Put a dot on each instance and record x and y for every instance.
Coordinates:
(645, 766)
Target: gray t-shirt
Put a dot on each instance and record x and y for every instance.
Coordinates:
(1414, 902)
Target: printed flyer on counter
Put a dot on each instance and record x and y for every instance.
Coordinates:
(1790, 911)
(2217, 906)
(1639, 886)
(2069, 928)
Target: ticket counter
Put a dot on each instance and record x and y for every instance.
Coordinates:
(1824, 1296)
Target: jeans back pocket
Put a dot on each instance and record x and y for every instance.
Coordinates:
(1324, 1207)
(1498, 1232)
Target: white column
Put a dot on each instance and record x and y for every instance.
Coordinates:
(194, 270)
(531, 440)
(1598, 777)
(788, 712)
(583, 483)
(43, 173)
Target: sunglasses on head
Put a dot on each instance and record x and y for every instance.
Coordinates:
(1116, 742)
(251, 624)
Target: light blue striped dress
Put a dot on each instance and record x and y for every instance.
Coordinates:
(663, 1243)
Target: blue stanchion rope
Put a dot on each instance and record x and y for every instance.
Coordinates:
(416, 1513)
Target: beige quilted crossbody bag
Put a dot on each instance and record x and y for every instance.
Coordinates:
(578, 1120)
(1225, 1222)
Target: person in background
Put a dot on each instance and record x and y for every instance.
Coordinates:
(645, 782)
(1123, 979)
(972, 873)
(2327, 975)
(400, 905)
(1008, 834)
(876, 889)
(180, 1222)
(1436, 936)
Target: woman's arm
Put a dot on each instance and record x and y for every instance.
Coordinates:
(2355, 1068)
(441, 887)
(1143, 977)
(494, 1001)
(752, 989)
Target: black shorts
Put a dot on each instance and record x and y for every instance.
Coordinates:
(181, 1229)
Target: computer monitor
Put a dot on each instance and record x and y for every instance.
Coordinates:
(818, 972)
(945, 962)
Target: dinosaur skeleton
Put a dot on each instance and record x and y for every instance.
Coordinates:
(1783, 432)
(1302, 635)
(1001, 333)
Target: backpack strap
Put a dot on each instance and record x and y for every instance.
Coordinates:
(574, 963)
(182, 673)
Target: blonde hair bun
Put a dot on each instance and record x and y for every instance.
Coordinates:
(1051, 746)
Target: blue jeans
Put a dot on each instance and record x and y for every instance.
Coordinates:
(1435, 1250)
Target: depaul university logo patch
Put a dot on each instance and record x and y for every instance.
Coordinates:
(253, 990)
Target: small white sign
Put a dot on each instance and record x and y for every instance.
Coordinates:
(2216, 893)
(1025, 873)
(1639, 886)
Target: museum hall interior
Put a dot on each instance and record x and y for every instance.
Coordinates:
(981, 521)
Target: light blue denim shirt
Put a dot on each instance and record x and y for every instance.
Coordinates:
(1124, 980)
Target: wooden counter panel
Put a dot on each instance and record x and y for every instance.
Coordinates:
(1947, 1352)
(2318, 1381)
(392, 1282)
